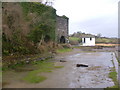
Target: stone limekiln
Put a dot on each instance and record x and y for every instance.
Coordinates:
(62, 29)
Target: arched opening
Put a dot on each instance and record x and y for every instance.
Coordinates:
(62, 39)
(47, 38)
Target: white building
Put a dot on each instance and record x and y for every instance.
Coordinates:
(88, 40)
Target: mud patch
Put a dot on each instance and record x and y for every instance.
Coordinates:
(94, 68)
(5, 83)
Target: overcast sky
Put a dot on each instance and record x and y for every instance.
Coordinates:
(90, 16)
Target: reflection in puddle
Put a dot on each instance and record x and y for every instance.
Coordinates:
(75, 55)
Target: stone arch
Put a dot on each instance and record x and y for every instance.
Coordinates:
(62, 39)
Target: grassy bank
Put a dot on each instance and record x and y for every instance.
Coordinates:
(14, 61)
(74, 38)
(113, 76)
(106, 40)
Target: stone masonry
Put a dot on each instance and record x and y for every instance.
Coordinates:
(62, 29)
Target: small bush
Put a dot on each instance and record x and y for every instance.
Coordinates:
(75, 40)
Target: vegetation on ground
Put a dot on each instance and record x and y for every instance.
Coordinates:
(106, 40)
(12, 62)
(64, 50)
(58, 66)
(113, 76)
(38, 67)
(43, 66)
(74, 38)
(98, 38)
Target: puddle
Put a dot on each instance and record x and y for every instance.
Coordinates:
(95, 75)
(77, 54)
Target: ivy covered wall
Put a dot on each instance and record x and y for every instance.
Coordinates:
(25, 24)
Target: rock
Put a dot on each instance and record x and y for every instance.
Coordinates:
(27, 61)
(81, 65)
(67, 46)
(63, 61)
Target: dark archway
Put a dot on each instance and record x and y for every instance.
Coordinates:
(62, 39)
(47, 38)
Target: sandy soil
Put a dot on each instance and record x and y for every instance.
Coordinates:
(70, 76)
(102, 44)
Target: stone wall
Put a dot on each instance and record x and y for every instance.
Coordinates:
(62, 28)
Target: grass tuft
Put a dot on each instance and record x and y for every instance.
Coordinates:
(58, 66)
(113, 76)
(34, 78)
(64, 50)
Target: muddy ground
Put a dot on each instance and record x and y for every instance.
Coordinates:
(70, 76)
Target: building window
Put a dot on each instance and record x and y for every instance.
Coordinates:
(90, 38)
(84, 40)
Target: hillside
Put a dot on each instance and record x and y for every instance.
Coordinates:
(26, 26)
(76, 38)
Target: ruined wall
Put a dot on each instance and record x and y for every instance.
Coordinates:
(61, 27)
(25, 25)
(12, 19)
(20, 19)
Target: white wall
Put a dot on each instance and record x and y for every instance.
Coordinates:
(88, 42)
